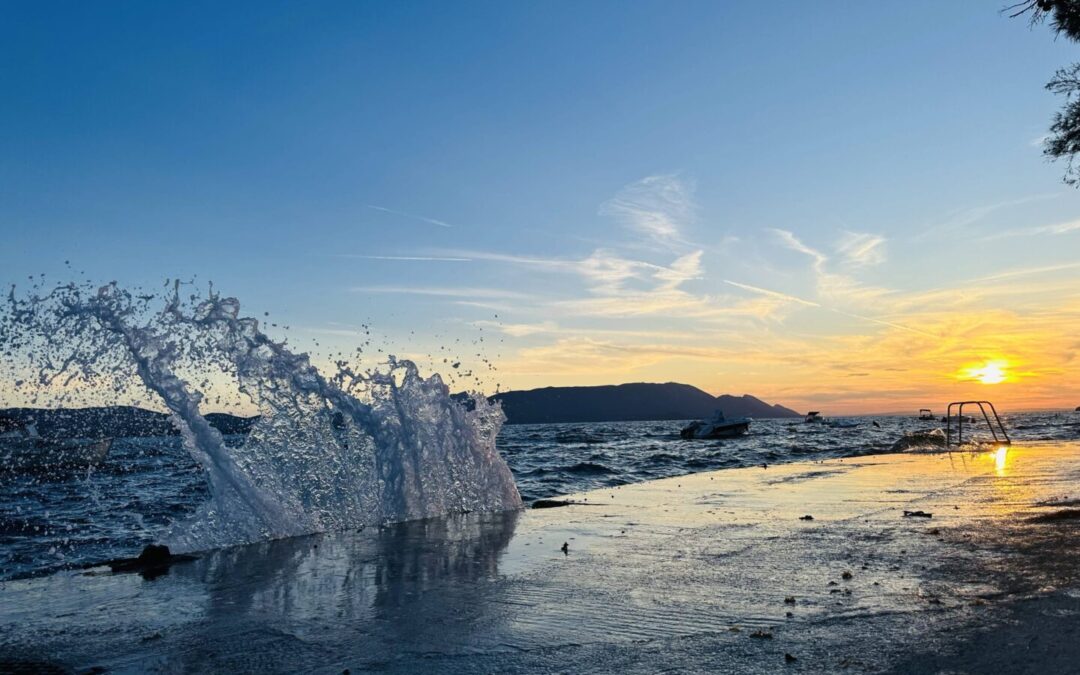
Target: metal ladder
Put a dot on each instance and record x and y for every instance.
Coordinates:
(1002, 440)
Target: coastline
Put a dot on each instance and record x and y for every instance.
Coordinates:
(693, 573)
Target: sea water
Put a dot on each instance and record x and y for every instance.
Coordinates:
(350, 450)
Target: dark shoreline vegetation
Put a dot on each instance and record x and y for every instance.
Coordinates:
(613, 403)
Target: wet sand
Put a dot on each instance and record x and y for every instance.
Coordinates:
(708, 572)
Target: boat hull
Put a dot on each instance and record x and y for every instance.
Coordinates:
(701, 431)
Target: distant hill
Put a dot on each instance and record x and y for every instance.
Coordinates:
(114, 421)
(628, 402)
(613, 403)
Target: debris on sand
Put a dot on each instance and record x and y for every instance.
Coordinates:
(550, 503)
(565, 548)
(917, 514)
(806, 517)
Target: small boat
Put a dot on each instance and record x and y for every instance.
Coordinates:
(925, 415)
(956, 419)
(1077, 408)
(22, 450)
(717, 427)
(814, 417)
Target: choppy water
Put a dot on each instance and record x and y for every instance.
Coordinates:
(149, 484)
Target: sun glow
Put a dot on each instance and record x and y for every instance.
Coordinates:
(991, 372)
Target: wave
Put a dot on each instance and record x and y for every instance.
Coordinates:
(327, 453)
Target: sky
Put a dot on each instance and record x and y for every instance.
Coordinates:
(838, 206)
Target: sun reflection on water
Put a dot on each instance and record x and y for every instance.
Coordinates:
(1001, 455)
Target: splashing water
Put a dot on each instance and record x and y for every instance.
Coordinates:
(326, 453)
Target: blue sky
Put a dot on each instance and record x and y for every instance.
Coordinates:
(740, 196)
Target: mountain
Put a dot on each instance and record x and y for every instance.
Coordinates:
(113, 421)
(628, 402)
(613, 403)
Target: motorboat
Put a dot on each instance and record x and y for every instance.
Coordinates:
(956, 419)
(814, 417)
(23, 450)
(926, 415)
(717, 427)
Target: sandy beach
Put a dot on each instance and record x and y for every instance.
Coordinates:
(711, 572)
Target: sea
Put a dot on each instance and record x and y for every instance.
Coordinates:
(68, 519)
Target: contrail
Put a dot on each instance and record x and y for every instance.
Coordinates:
(422, 258)
(425, 219)
(808, 303)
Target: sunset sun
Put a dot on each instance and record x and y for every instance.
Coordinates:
(991, 372)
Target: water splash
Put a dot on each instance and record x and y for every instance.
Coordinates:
(347, 451)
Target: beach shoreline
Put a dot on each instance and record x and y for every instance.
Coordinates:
(693, 573)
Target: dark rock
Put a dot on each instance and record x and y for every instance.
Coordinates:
(153, 562)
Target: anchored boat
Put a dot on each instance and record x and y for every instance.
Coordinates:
(717, 427)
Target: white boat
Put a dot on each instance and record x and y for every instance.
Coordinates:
(926, 415)
(717, 427)
(814, 417)
(22, 450)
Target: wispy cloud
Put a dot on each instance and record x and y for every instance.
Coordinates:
(808, 303)
(405, 214)
(520, 329)
(841, 288)
(1057, 228)
(861, 249)
(658, 207)
(961, 219)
